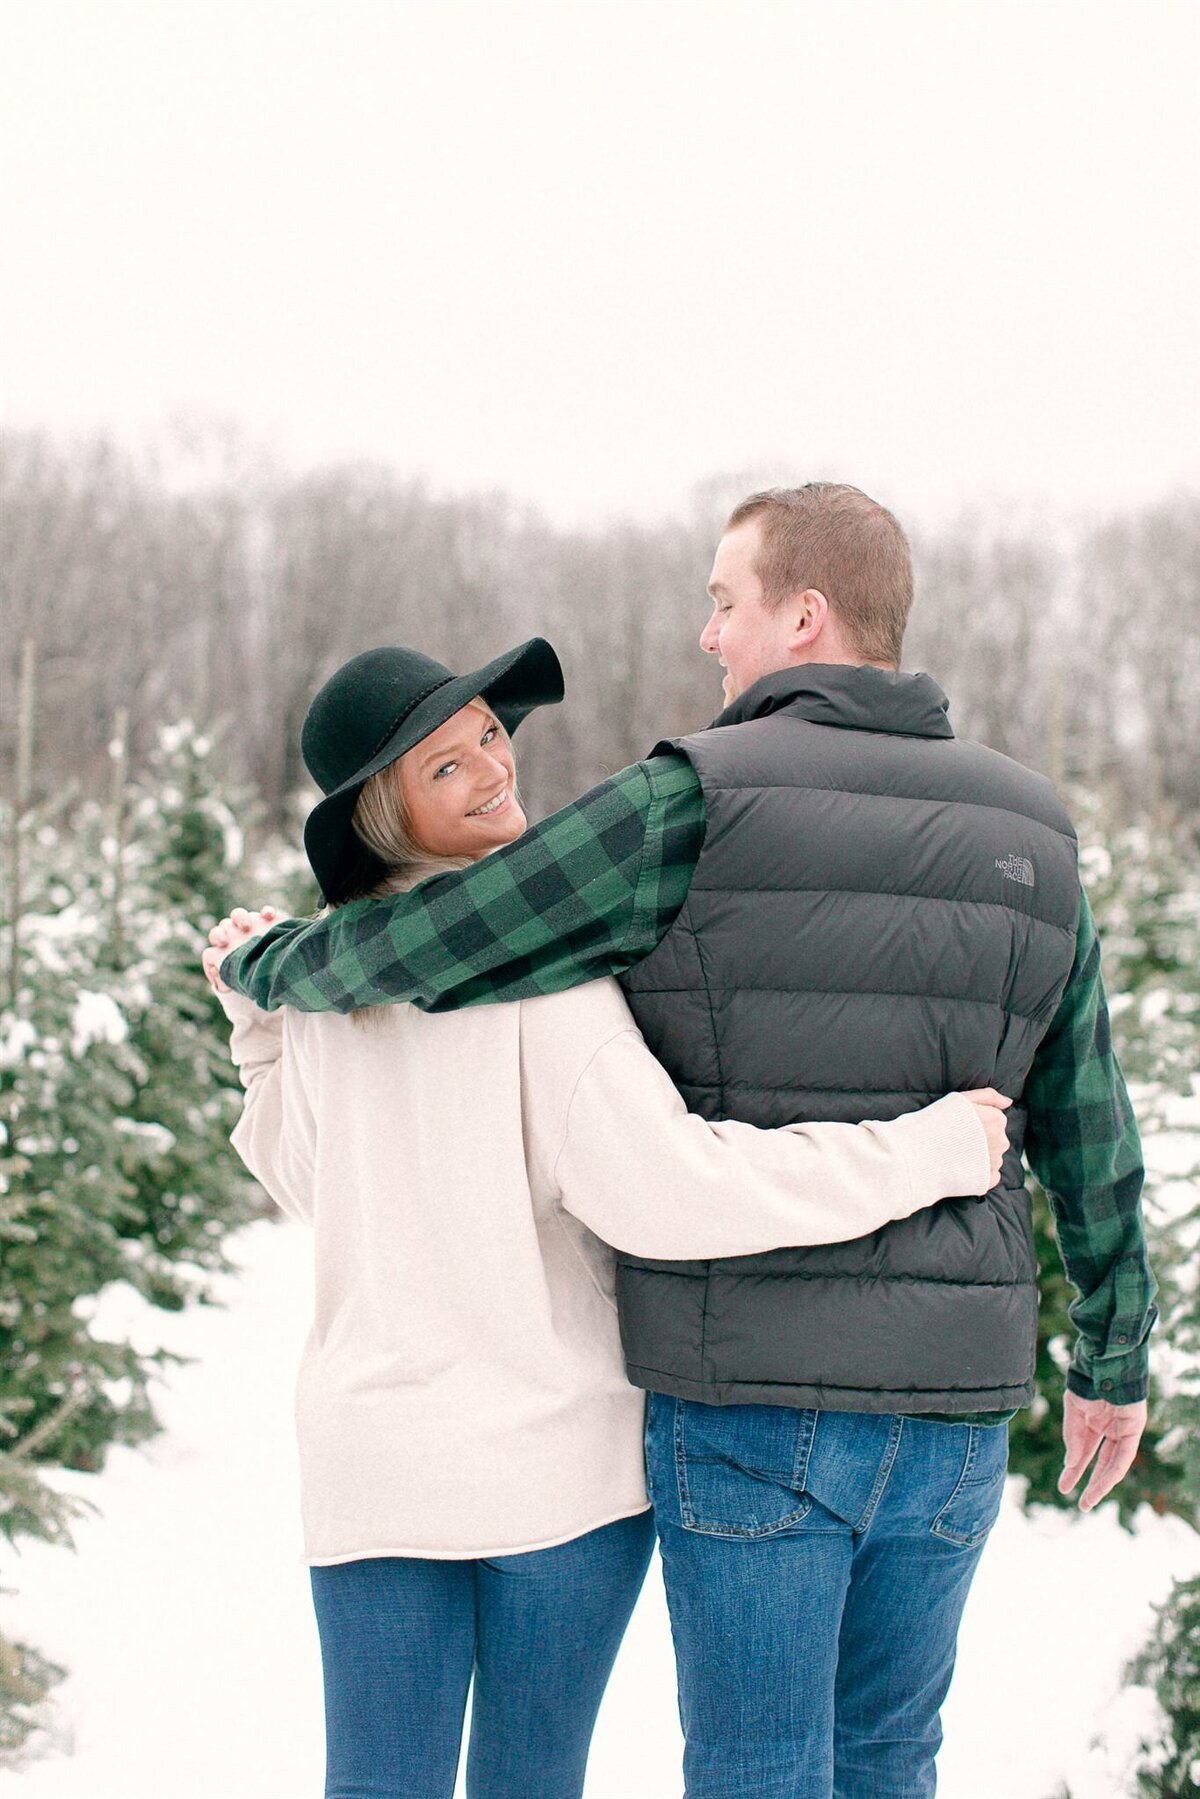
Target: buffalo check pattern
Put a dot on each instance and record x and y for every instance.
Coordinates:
(1082, 1142)
(594, 888)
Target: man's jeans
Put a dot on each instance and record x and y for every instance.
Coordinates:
(816, 1566)
(401, 1638)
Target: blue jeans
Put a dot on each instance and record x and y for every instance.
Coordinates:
(401, 1638)
(816, 1566)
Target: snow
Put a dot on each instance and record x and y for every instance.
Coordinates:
(96, 1018)
(53, 938)
(186, 1621)
(17, 1037)
(233, 843)
(173, 738)
(155, 1139)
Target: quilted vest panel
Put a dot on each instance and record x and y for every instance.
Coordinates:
(881, 913)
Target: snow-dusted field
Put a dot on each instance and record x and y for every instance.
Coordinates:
(185, 1615)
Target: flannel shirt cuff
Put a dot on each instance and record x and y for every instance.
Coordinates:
(1122, 1377)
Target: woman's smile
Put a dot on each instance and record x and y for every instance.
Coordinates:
(497, 803)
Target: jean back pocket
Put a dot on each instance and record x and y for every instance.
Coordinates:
(741, 1469)
(974, 1505)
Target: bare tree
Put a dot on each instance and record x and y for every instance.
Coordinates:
(1077, 652)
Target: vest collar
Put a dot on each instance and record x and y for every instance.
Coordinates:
(848, 697)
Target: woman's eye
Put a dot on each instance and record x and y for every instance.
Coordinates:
(444, 770)
(488, 734)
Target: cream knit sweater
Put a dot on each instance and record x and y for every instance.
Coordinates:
(461, 1392)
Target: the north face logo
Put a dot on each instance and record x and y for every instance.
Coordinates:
(1016, 868)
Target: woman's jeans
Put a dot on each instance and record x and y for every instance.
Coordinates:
(816, 1566)
(401, 1638)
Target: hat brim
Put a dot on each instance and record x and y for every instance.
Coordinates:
(514, 685)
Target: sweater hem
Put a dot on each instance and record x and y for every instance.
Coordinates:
(477, 1554)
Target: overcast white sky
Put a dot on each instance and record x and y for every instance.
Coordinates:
(592, 252)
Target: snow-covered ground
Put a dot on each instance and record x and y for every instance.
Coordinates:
(185, 1615)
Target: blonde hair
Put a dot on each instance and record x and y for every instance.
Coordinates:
(833, 537)
(381, 822)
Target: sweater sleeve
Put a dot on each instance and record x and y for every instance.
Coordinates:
(656, 1180)
(276, 1133)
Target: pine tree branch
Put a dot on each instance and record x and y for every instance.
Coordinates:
(43, 1433)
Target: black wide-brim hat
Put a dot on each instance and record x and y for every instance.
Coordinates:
(377, 706)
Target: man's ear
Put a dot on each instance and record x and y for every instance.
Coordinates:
(809, 613)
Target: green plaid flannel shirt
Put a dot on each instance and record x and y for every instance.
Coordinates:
(592, 890)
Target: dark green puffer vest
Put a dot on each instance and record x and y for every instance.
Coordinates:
(880, 914)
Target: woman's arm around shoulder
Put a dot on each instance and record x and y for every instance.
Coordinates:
(656, 1180)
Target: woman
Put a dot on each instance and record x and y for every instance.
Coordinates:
(473, 1493)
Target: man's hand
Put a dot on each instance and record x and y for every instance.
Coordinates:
(1095, 1424)
(230, 934)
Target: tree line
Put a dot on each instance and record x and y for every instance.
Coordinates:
(1073, 646)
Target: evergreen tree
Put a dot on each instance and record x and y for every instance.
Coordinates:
(1145, 885)
(1170, 1663)
(1144, 888)
(116, 1102)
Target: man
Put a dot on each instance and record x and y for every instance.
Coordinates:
(823, 906)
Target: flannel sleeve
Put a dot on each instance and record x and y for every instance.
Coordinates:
(588, 892)
(1082, 1143)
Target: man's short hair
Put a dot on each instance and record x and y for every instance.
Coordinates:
(849, 547)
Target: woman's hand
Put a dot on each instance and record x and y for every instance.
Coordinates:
(991, 1107)
(230, 934)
